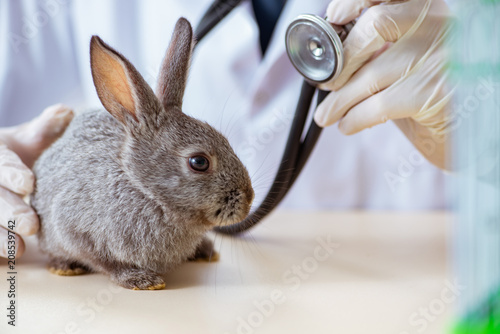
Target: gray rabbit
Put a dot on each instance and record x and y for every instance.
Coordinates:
(132, 191)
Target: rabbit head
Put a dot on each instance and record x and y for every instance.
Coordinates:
(176, 160)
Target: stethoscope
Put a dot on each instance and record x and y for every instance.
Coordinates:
(315, 49)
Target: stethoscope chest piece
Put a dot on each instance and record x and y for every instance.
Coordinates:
(315, 48)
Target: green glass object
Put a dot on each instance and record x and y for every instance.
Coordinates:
(474, 69)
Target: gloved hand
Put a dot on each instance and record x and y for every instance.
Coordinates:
(20, 146)
(394, 70)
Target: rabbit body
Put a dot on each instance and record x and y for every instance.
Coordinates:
(130, 191)
(114, 220)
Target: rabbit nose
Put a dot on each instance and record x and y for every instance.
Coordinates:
(232, 197)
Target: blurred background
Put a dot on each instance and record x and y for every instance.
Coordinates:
(247, 88)
(475, 60)
(248, 93)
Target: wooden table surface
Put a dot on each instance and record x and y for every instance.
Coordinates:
(298, 272)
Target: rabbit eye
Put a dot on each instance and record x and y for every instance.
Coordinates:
(199, 163)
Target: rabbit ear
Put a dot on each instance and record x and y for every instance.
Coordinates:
(122, 90)
(175, 66)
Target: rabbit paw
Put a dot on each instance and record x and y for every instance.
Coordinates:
(205, 252)
(66, 268)
(214, 257)
(137, 279)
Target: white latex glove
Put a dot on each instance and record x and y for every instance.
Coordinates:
(394, 70)
(20, 146)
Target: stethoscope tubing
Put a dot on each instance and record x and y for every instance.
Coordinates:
(217, 11)
(296, 152)
(293, 161)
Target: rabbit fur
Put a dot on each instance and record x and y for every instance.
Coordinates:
(116, 193)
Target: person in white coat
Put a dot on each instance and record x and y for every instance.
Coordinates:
(250, 95)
